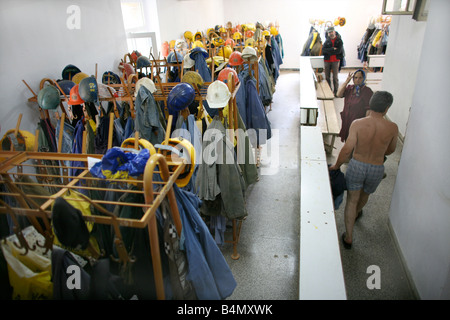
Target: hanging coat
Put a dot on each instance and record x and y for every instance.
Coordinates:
(256, 116)
(147, 121)
(209, 272)
(220, 174)
(200, 66)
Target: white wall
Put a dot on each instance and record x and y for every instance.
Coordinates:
(420, 207)
(177, 16)
(401, 66)
(37, 44)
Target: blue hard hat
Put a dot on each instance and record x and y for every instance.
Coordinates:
(110, 77)
(88, 90)
(172, 58)
(181, 96)
(69, 71)
(198, 50)
(66, 85)
(142, 62)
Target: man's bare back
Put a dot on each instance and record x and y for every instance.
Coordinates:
(374, 138)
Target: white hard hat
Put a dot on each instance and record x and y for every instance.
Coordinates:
(249, 54)
(147, 83)
(103, 90)
(188, 62)
(218, 95)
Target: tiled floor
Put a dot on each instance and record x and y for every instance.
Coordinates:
(268, 267)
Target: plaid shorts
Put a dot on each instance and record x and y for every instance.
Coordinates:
(361, 175)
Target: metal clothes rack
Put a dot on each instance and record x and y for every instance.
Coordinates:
(35, 165)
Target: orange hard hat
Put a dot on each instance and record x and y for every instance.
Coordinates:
(229, 42)
(235, 59)
(74, 97)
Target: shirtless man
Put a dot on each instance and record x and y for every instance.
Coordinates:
(370, 139)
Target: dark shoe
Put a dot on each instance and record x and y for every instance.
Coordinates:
(346, 245)
(359, 215)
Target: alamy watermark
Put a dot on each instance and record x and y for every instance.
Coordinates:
(73, 21)
(234, 146)
(374, 280)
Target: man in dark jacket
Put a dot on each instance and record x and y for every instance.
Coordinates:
(332, 50)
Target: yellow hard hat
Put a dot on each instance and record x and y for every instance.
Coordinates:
(24, 141)
(142, 144)
(218, 41)
(198, 43)
(185, 151)
(250, 42)
(273, 31)
(237, 35)
(266, 33)
(79, 76)
(189, 36)
(225, 52)
(198, 34)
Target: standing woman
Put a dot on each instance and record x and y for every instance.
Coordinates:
(356, 100)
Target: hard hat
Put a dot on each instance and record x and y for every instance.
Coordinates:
(24, 141)
(251, 26)
(110, 77)
(218, 95)
(103, 91)
(218, 41)
(222, 30)
(142, 144)
(79, 76)
(266, 33)
(250, 42)
(88, 90)
(65, 86)
(237, 35)
(165, 49)
(49, 97)
(198, 34)
(198, 44)
(188, 62)
(198, 50)
(175, 57)
(223, 75)
(143, 62)
(181, 96)
(129, 70)
(249, 33)
(188, 36)
(225, 51)
(69, 71)
(249, 54)
(235, 59)
(180, 44)
(336, 22)
(229, 42)
(185, 150)
(193, 77)
(273, 31)
(74, 97)
(147, 83)
(135, 55)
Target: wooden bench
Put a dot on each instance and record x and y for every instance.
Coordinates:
(328, 122)
(321, 273)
